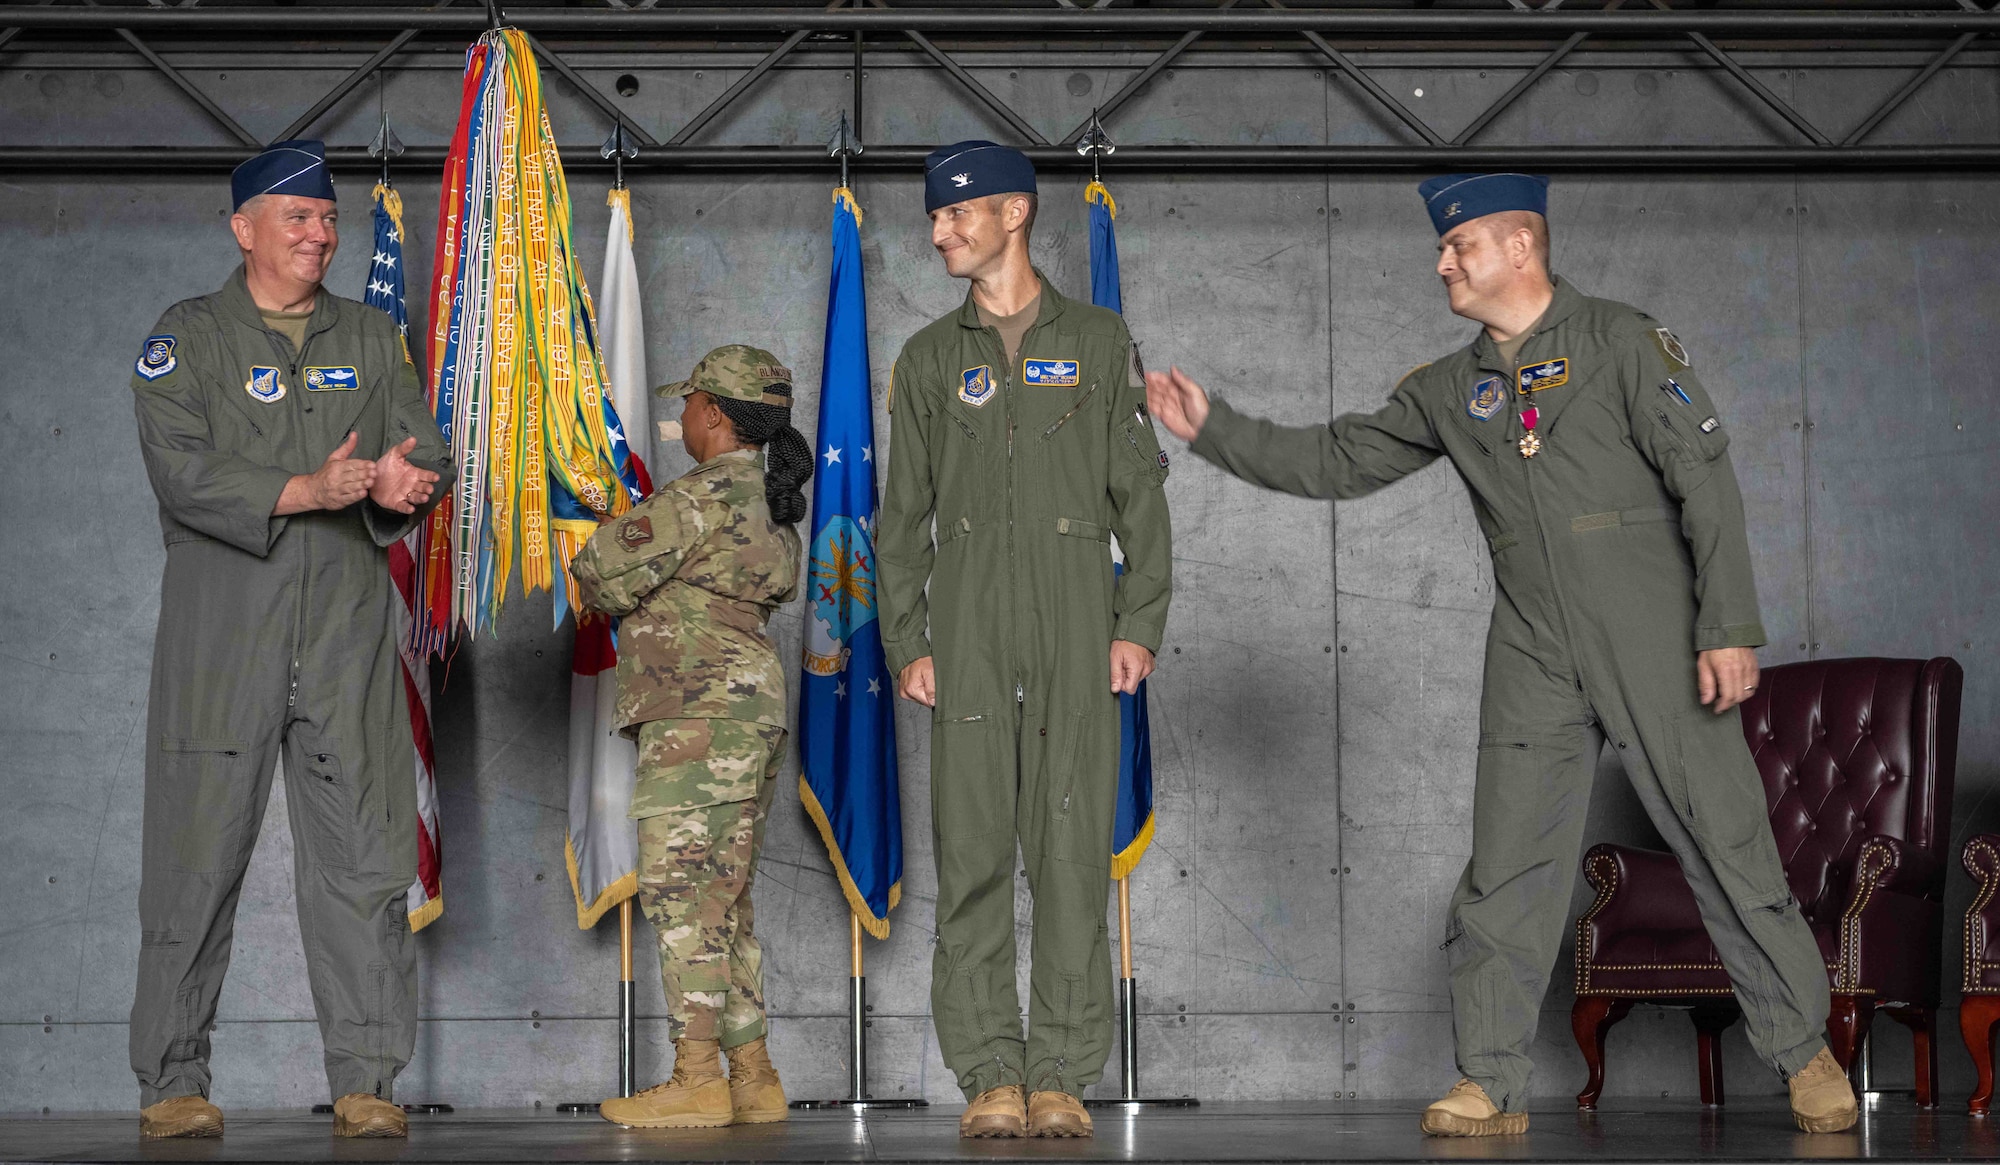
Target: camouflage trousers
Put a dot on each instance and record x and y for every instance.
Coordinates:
(697, 860)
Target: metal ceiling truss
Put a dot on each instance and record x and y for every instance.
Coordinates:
(628, 26)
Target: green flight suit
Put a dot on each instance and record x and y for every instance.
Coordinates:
(1029, 470)
(1619, 552)
(276, 633)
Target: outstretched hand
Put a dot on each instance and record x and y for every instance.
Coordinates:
(399, 485)
(1178, 402)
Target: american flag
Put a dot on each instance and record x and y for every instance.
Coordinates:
(416, 644)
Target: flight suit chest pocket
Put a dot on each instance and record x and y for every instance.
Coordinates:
(203, 803)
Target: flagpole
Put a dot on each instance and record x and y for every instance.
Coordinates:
(857, 1097)
(1128, 1097)
(628, 1018)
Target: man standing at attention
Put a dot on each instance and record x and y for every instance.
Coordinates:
(1600, 476)
(277, 632)
(1019, 423)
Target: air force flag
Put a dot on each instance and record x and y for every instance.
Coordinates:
(847, 725)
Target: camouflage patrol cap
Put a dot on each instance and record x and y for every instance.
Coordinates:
(739, 372)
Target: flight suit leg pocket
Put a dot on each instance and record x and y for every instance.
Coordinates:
(1712, 783)
(972, 776)
(331, 808)
(1084, 789)
(1530, 786)
(203, 802)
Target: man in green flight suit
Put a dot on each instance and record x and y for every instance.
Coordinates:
(1019, 424)
(1600, 476)
(277, 633)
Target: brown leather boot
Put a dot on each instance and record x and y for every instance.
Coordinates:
(696, 1096)
(1822, 1100)
(1057, 1114)
(364, 1114)
(181, 1116)
(755, 1096)
(996, 1112)
(1466, 1111)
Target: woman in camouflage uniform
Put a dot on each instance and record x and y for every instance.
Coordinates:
(696, 571)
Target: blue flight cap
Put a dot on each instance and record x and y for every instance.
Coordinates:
(975, 169)
(1455, 199)
(296, 167)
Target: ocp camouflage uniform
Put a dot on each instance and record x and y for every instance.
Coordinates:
(696, 570)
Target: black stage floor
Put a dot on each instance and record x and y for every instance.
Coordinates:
(1748, 1131)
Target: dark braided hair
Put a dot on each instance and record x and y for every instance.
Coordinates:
(788, 460)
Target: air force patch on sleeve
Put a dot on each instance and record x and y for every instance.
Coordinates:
(1671, 348)
(1051, 373)
(325, 379)
(1489, 396)
(1551, 374)
(157, 358)
(264, 385)
(977, 388)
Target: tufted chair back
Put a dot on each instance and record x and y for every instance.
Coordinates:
(1851, 749)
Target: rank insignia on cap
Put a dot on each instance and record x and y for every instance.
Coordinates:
(324, 379)
(978, 386)
(1552, 374)
(265, 385)
(1670, 347)
(1489, 396)
(1051, 373)
(157, 358)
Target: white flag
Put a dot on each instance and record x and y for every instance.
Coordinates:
(603, 843)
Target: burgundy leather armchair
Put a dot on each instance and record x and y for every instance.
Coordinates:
(1979, 1009)
(1857, 758)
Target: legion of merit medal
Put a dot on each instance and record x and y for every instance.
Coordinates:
(1530, 444)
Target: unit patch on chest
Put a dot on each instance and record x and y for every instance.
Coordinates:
(330, 379)
(1489, 396)
(1052, 373)
(157, 358)
(1552, 374)
(264, 384)
(977, 388)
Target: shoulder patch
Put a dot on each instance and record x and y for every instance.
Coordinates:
(157, 358)
(1405, 377)
(1671, 350)
(635, 532)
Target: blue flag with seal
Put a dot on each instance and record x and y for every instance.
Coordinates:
(847, 722)
(1133, 830)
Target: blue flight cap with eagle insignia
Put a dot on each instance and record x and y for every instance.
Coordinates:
(1456, 199)
(975, 169)
(294, 167)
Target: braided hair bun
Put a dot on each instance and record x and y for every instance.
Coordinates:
(788, 460)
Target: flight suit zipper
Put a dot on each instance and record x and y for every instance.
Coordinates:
(1013, 561)
(1076, 408)
(1549, 565)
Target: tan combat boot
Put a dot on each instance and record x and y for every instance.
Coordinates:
(755, 1096)
(1466, 1111)
(363, 1114)
(181, 1116)
(1822, 1101)
(996, 1112)
(696, 1096)
(1057, 1114)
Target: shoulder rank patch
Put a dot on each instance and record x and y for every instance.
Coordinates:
(321, 378)
(635, 532)
(157, 358)
(1551, 374)
(1671, 350)
(1489, 396)
(264, 385)
(977, 388)
(1051, 373)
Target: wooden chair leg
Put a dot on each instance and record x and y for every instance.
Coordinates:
(1847, 1027)
(1922, 1022)
(1590, 1020)
(1710, 1021)
(1976, 1016)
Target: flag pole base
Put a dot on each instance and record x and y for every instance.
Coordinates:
(1128, 1098)
(576, 1106)
(628, 1046)
(424, 1108)
(857, 1098)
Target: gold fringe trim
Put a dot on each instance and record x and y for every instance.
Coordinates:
(623, 198)
(587, 915)
(1097, 192)
(1127, 860)
(426, 914)
(843, 194)
(879, 927)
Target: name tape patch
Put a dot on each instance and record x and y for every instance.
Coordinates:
(1052, 373)
(1552, 374)
(322, 378)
